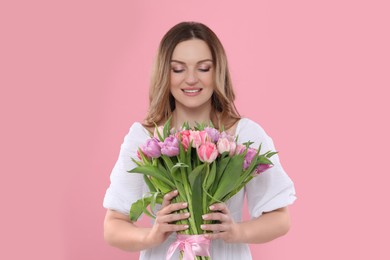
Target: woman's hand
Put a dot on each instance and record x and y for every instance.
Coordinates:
(163, 225)
(227, 229)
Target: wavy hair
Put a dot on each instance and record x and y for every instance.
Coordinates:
(161, 101)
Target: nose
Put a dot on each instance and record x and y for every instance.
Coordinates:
(191, 78)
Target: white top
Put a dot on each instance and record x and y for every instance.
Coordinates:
(270, 190)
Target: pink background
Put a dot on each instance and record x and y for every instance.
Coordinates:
(74, 76)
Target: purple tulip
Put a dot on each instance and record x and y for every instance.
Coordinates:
(249, 157)
(212, 133)
(231, 138)
(262, 168)
(151, 149)
(170, 146)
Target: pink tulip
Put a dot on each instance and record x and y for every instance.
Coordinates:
(151, 149)
(184, 136)
(233, 146)
(198, 138)
(170, 146)
(223, 145)
(240, 148)
(207, 152)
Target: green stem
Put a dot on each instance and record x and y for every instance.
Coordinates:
(204, 195)
(191, 219)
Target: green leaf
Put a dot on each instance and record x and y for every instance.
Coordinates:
(194, 174)
(154, 200)
(230, 178)
(247, 144)
(161, 186)
(186, 126)
(167, 128)
(138, 207)
(152, 171)
(179, 165)
(210, 178)
(173, 171)
(219, 173)
(270, 154)
(161, 138)
(152, 188)
(197, 200)
(263, 160)
(182, 154)
(188, 158)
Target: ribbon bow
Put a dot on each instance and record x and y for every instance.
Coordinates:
(192, 245)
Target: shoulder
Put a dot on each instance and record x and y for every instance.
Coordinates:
(137, 133)
(249, 126)
(249, 130)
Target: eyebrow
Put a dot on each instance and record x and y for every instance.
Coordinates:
(181, 62)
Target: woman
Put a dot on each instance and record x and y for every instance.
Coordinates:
(191, 83)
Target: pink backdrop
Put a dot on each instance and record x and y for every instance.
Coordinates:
(74, 76)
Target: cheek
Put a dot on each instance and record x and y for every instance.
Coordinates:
(208, 81)
(175, 79)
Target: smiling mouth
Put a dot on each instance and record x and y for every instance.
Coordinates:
(191, 90)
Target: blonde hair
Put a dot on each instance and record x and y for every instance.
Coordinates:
(161, 101)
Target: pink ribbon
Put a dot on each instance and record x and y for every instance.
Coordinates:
(192, 245)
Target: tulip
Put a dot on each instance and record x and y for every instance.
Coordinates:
(233, 146)
(249, 157)
(223, 145)
(170, 146)
(207, 152)
(212, 133)
(240, 148)
(184, 137)
(262, 168)
(151, 149)
(228, 136)
(198, 138)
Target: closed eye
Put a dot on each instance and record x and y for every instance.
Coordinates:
(205, 69)
(177, 70)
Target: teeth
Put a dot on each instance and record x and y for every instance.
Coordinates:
(191, 90)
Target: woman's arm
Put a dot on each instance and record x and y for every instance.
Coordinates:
(265, 228)
(120, 232)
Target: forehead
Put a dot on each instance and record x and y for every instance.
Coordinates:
(191, 51)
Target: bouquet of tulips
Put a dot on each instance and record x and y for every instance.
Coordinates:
(205, 165)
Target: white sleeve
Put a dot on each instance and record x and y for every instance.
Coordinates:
(126, 188)
(273, 188)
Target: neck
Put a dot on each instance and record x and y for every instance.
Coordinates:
(191, 116)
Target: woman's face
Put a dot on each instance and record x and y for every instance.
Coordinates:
(192, 74)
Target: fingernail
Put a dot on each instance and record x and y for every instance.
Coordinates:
(205, 216)
(212, 207)
(186, 226)
(202, 226)
(184, 204)
(186, 214)
(175, 191)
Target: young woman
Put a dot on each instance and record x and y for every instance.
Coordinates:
(191, 83)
